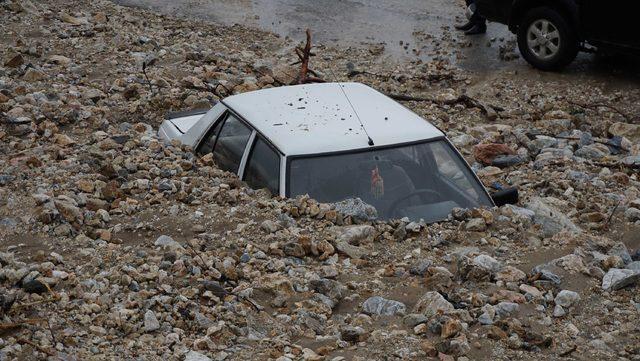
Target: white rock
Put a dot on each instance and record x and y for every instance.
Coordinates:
(566, 298)
(150, 321)
(617, 278)
(167, 242)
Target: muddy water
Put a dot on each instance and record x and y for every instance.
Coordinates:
(394, 23)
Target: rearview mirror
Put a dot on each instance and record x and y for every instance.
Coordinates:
(505, 196)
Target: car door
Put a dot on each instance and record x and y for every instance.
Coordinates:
(262, 169)
(611, 22)
(227, 140)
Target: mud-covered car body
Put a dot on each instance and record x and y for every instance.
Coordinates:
(334, 141)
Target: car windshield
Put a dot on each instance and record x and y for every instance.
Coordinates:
(419, 181)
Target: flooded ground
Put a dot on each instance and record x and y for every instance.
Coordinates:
(408, 29)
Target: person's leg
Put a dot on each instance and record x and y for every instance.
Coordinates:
(479, 23)
(470, 23)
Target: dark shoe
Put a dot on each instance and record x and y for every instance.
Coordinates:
(477, 29)
(464, 27)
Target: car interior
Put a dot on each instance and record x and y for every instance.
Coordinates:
(398, 182)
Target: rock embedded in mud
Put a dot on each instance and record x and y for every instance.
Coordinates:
(616, 279)
(196, 356)
(476, 225)
(167, 242)
(357, 209)
(377, 305)
(506, 309)
(566, 298)
(432, 303)
(150, 321)
(487, 263)
(352, 334)
(550, 218)
(34, 286)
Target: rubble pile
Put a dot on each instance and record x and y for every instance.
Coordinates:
(117, 245)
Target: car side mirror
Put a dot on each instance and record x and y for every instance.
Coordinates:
(505, 196)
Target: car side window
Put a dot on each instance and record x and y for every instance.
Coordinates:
(263, 167)
(209, 140)
(231, 143)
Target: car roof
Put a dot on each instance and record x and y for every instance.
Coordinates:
(320, 118)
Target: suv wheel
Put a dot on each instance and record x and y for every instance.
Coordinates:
(546, 40)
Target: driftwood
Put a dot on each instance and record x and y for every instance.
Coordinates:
(595, 106)
(12, 325)
(304, 55)
(48, 351)
(491, 111)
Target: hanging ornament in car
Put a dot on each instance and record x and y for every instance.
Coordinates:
(377, 184)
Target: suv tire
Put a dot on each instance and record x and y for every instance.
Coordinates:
(546, 39)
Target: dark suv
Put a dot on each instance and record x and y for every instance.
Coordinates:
(551, 32)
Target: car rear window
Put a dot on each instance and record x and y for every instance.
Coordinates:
(263, 167)
(231, 144)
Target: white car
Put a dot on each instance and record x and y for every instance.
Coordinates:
(335, 141)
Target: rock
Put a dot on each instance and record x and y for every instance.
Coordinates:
(476, 225)
(14, 61)
(510, 274)
(451, 328)
(627, 130)
(420, 267)
(59, 59)
(632, 161)
(432, 303)
(34, 286)
(330, 288)
(196, 356)
(487, 263)
(72, 20)
(506, 309)
(635, 265)
(616, 279)
(68, 210)
(352, 334)
(270, 226)
(591, 152)
(455, 346)
(530, 290)
(414, 319)
(150, 321)
(351, 251)
(33, 75)
(381, 306)
(545, 274)
(620, 249)
(550, 218)
(558, 311)
(566, 298)
(357, 209)
(215, 288)
(632, 214)
(356, 235)
(167, 242)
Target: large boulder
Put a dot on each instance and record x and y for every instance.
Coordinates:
(629, 131)
(552, 219)
(381, 306)
(617, 278)
(432, 303)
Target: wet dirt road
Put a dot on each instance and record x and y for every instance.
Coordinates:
(408, 29)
